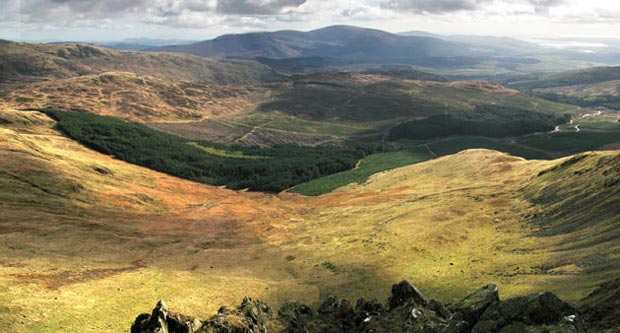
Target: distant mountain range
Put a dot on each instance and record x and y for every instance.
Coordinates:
(340, 41)
(357, 45)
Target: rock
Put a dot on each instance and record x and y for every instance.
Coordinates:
(223, 310)
(474, 305)
(295, 317)
(543, 311)
(341, 311)
(162, 321)
(457, 324)
(332, 304)
(250, 317)
(369, 308)
(405, 294)
(439, 309)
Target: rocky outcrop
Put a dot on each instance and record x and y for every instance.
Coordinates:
(251, 317)
(473, 306)
(163, 321)
(407, 310)
(406, 294)
(543, 312)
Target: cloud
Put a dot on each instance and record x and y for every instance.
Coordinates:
(543, 6)
(66, 10)
(450, 6)
(433, 6)
(257, 7)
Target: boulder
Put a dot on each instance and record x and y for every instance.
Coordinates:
(473, 306)
(457, 324)
(439, 309)
(405, 294)
(250, 317)
(161, 320)
(295, 317)
(369, 308)
(538, 312)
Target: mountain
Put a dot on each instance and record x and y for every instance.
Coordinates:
(22, 62)
(335, 41)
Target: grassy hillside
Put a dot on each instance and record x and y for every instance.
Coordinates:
(88, 241)
(484, 120)
(350, 104)
(25, 62)
(364, 98)
(134, 97)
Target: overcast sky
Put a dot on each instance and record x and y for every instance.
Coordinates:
(98, 20)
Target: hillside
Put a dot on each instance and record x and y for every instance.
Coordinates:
(597, 87)
(21, 62)
(134, 97)
(571, 78)
(351, 104)
(106, 238)
(359, 98)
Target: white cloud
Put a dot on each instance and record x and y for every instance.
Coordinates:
(211, 17)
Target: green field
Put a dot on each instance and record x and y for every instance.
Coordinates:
(415, 154)
(571, 142)
(600, 125)
(456, 144)
(367, 167)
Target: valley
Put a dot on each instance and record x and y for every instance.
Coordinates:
(105, 226)
(295, 165)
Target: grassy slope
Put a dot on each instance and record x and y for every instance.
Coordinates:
(134, 97)
(140, 86)
(363, 99)
(88, 242)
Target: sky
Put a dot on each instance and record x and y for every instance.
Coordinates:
(108, 20)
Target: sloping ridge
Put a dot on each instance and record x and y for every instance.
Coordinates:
(21, 62)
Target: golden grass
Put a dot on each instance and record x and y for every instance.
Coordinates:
(133, 97)
(88, 242)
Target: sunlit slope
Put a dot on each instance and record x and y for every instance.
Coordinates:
(578, 205)
(84, 236)
(134, 97)
(87, 241)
